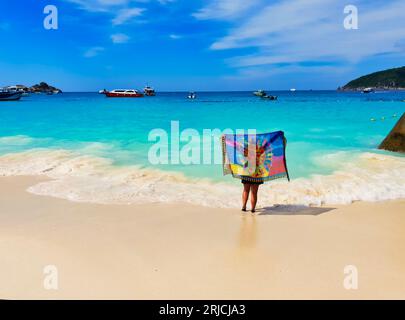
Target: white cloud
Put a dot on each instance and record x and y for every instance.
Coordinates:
(121, 9)
(92, 52)
(126, 15)
(175, 36)
(100, 5)
(164, 2)
(224, 9)
(119, 38)
(312, 30)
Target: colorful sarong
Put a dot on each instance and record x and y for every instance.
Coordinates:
(255, 157)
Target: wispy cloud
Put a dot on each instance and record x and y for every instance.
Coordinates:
(225, 9)
(126, 15)
(119, 38)
(164, 2)
(312, 30)
(93, 52)
(175, 36)
(122, 10)
(100, 5)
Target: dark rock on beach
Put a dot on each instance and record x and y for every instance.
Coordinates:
(395, 141)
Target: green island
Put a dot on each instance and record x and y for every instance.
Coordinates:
(391, 79)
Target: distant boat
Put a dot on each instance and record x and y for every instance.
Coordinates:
(6, 95)
(368, 90)
(102, 91)
(123, 93)
(260, 93)
(269, 97)
(19, 88)
(149, 91)
(192, 95)
(293, 89)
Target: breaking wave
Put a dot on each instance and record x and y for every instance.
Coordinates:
(83, 178)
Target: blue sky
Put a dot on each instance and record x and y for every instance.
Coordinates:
(186, 45)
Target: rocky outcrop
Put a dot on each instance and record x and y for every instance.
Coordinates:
(395, 141)
(44, 87)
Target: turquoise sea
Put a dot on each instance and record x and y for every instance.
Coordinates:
(96, 149)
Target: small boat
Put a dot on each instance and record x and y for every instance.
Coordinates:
(6, 95)
(293, 89)
(149, 91)
(102, 91)
(260, 93)
(269, 97)
(123, 93)
(368, 90)
(192, 95)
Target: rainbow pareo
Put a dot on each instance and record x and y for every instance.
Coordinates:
(255, 158)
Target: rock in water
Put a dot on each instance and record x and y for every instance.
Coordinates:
(395, 141)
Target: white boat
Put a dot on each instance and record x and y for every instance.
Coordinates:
(260, 93)
(149, 91)
(368, 90)
(192, 95)
(293, 89)
(19, 88)
(9, 95)
(123, 93)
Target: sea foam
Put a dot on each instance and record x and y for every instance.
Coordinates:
(82, 178)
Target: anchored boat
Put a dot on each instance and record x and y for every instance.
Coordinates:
(260, 93)
(192, 96)
(263, 94)
(6, 95)
(269, 97)
(123, 93)
(368, 90)
(149, 91)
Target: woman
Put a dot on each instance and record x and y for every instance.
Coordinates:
(253, 187)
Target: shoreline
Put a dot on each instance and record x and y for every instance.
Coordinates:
(182, 251)
(83, 178)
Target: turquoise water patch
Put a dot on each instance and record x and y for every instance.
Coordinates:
(316, 124)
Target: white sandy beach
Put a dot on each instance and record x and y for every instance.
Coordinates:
(189, 252)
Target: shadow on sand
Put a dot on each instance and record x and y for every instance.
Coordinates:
(292, 210)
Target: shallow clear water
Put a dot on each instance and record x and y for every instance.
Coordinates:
(325, 129)
(315, 123)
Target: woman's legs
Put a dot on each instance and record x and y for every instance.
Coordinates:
(253, 199)
(245, 195)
